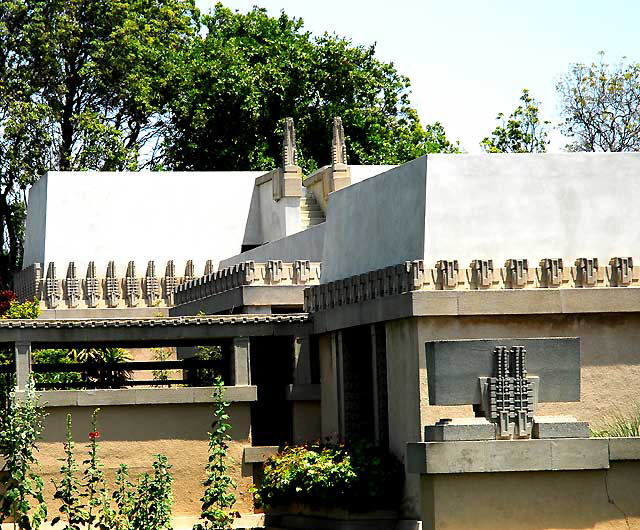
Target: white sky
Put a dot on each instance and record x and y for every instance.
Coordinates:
(470, 59)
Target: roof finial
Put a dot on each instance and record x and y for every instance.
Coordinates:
(338, 145)
(289, 151)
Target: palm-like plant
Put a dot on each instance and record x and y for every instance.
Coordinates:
(96, 358)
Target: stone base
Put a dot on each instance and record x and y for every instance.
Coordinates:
(458, 429)
(559, 427)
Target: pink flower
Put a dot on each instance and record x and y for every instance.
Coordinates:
(94, 435)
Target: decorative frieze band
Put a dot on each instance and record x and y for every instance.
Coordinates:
(274, 272)
(481, 275)
(111, 290)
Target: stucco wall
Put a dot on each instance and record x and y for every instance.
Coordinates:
(610, 348)
(601, 500)
(303, 245)
(134, 434)
(85, 216)
(375, 223)
(532, 206)
(269, 220)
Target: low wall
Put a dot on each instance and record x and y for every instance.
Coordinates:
(132, 434)
(594, 499)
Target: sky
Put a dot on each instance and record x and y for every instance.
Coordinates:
(470, 59)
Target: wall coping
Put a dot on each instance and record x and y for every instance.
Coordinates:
(496, 456)
(141, 396)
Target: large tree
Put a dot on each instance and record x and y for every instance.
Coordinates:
(250, 71)
(522, 132)
(84, 84)
(601, 106)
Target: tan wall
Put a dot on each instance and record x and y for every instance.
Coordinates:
(134, 434)
(306, 421)
(602, 500)
(610, 345)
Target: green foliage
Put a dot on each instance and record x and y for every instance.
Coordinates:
(620, 425)
(208, 376)
(22, 427)
(218, 500)
(251, 71)
(161, 354)
(152, 507)
(84, 84)
(599, 103)
(89, 503)
(26, 309)
(357, 477)
(51, 356)
(522, 132)
(68, 490)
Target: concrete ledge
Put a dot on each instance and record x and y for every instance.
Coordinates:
(257, 455)
(303, 393)
(624, 448)
(511, 455)
(142, 396)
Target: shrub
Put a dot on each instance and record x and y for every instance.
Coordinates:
(621, 425)
(54, 356)
(26, 309)
(23, 498)
(6, 297)
(358, 477)
(218, 500)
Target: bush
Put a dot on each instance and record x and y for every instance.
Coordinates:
(621, 425)
(6, 297)
(358, 477)
(54, 356)
(26, 309)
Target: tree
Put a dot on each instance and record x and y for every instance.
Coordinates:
(601, 106)
(251, 71)
(522, 132)
(84, 84)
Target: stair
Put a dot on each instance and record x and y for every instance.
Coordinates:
(310, 212)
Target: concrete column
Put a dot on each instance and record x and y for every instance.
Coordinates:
(240, 361)
(302, 361)
(374, 384)
(23, 364)
(338, 346)
(328, 387)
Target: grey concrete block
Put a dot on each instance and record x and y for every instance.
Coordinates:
(453, 368)
(624, 448)
(241, 393)
(494, 456)
(152, 396)
(579, 453)
(100, 398)
(57, 398)
(256, 455)
(559, 427)
(460, 429)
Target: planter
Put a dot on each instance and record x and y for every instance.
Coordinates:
(303, 517)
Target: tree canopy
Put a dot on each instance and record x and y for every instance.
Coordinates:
(522, 132)
(250, 71)
(600, 105)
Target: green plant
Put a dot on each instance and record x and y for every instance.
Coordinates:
(68, 490)
(154, 498)
(94, 487)
(55, 356)
(96, 358)
(23, 488)
(620, 425)
(218, 500)
(359, 476)
(26, 309)
(207, 376)
(161, 354)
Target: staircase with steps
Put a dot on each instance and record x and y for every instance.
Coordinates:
(310, 212)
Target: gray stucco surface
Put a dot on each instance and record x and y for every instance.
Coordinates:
(302, 245)
(375, 223)
(453, 368)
